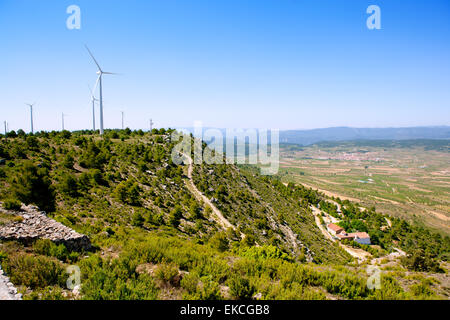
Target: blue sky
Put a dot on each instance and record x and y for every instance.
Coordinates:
(286, 64)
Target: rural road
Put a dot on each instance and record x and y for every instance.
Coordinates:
(316, 213)
(359, 254)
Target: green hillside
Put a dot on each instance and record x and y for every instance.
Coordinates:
(154, 238)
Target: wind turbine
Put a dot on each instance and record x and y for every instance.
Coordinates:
(62, 119)
(151, 125)
(31, 114)
(122, 119)
(93, 99)
(6, 131)
(100, 73)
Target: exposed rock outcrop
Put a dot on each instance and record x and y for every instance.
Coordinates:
(36, 225)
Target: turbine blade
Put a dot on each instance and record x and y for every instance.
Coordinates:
(96, 84)
(92, 56)
(90, 90)
(113, 73)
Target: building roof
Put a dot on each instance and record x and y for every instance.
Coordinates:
(345, 236)
(360, 235)
(335, 228)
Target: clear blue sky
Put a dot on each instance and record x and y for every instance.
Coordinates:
(286, 64)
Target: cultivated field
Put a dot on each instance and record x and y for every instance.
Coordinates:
(412, 182)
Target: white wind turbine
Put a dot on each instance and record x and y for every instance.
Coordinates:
(151, 125)
(100, 73)
(93, 99)
(31, 114)
(63, 115)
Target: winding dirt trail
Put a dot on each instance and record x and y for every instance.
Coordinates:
(218, 216)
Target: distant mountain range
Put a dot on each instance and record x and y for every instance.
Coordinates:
(307, 137)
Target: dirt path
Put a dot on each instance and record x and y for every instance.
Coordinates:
(7, 289)
(218, 216)
(359, 254)
(328, 193)
(316, 213)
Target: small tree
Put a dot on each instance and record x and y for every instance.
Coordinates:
(121, 192)
(138, 219)
(33, 185)
(420, 260)
(241, 288)
(12, 204)
(175, 216)
(219, 241)
(194, 210)
(133, 194)
(68, 161)
(69, 185)
(249, 240)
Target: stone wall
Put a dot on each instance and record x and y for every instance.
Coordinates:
(36, 225)
(7, 289)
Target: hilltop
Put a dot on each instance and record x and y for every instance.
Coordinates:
(161, 230)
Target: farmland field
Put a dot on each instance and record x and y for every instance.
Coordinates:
(412, 182)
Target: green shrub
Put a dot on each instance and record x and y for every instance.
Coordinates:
(219, 241)
(115, 280)
(48, 248)
(421, 261)
(33, 185)
(241, 288)
(127, 192)
(69, 185)
(175, 216)
(190, 282)
(265, 252)
(35, 271)
(47, 293)
(167, 272)
(12, 204)
(138, 219)
(210, 289)
(68, 161)
(3, 256)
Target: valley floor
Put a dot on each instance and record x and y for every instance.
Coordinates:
(411, 183)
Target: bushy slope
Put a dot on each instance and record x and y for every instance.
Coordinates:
(266, 210)
(130, 180)
(154, 239)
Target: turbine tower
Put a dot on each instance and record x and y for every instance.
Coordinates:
(122, 119)
(31, 114)
(93, 99)
(100, 73)
(151, 125)
(6, 131)
(62, 119)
